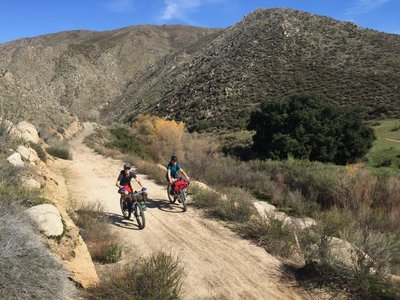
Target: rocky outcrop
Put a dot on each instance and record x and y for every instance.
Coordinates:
(47, 219)
(52, 220)
(16, 160)
(30, 183)
(28, 154)
(27, 131)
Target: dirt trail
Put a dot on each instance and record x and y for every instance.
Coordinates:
(219, 264)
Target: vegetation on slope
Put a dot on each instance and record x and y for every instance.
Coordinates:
(348, 203)
(271, 53)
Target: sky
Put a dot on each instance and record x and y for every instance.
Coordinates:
(28, 18)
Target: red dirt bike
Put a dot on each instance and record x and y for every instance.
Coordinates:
(178, 191)
(134, 203)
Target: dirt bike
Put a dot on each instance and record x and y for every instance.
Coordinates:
(178, 191)
(132, 204)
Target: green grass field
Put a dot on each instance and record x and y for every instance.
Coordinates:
(386, 149)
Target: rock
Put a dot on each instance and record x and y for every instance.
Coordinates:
(28, 153)
(81, 267)
(27, 132)
(47, 218)
(30, 183)
(16, 160)
(348, 255)
(162, 168)
(303, 223)
(264, 207)
(200, 185)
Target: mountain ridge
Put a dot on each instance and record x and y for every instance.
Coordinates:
(211, 75)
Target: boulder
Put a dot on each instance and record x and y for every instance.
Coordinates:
(162, 168)
(200, 185)
(47, 219)
(28, 153)
(27, 132)
(264, 208)
(16, 160)
(30, 183)
(348, 254)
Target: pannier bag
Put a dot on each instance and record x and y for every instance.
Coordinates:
(179, 185)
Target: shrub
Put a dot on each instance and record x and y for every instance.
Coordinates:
(205, 198)
(39, 150)
(20, 195)
(104, 245)
(309, 127)
(60, 149)
(270, 234)
(123, 140)
(162, 137)
(159, 276)
(237, 205)
(9, 173)
(28, 269)
(323, 269)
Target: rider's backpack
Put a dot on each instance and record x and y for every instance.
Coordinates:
(179, 185)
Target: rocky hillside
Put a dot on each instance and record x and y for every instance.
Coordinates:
(269, 54)
(217, 76)
(79, 71)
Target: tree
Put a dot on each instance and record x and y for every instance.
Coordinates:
(309, 127)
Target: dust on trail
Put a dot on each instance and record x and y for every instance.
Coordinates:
(218, 264)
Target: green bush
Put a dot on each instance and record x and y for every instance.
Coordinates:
(309, 127)
(123, 140)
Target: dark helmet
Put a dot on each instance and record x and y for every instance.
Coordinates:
(127, 166)
(174, 158)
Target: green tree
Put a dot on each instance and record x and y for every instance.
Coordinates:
(309, 127)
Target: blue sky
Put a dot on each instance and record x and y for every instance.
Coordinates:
(27, 18)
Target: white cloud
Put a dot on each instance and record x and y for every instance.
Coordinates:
(364, 6)
(118, 6)
(179, 9)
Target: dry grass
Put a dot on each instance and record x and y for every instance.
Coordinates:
(104, 245)
(270, 234)
(159, 276)
(28, 269)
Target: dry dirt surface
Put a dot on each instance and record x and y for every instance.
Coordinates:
(218, 263)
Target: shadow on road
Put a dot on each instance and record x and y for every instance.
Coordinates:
(120, 221)
(165, 205)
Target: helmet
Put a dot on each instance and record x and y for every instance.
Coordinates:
(174, 158)
(127, 166)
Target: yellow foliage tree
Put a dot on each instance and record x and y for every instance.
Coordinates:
(162, 137)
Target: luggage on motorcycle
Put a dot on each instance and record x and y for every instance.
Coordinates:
(179, 185)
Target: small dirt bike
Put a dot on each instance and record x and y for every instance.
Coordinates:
(134, 203)
(178, 191)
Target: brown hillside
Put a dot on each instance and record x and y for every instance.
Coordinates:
(79, 71)
(269, 54)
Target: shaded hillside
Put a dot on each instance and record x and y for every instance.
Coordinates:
(269, 54)
(79, 71)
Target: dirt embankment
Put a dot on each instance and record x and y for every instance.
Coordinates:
(219, 264)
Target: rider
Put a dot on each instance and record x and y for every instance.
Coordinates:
(124, 180)
(173, 169)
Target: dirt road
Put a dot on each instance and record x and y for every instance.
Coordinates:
(219, 264)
